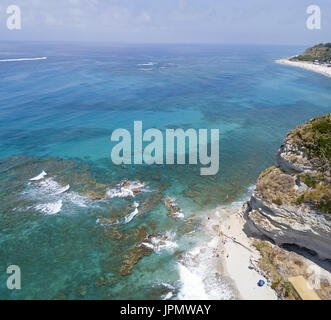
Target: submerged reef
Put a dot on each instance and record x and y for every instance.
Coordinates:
(69, 212)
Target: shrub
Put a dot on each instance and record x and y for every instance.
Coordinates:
(277, 201)
(309, 181)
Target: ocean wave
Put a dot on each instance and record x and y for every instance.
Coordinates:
(192, 284)
(64, 189)
(51, 194)
(174, 210)
(22, 59)
(250, 189)
(39, 176)
(50, 208)
(47, 187)
(126, 189)
(167, 296)
(147, 64)
(162, 242)
(179, 214)
(130, 216)
(199, 277)
(167, 285)
(77, 199)
(107, 222)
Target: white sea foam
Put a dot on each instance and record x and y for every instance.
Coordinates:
(50, 208)
(199, 277)
(64, 189)
(125, 191)
(129, 217)
(167, 296)
(168, 285)
(23, 59)
(147, 64)
(192, 285)
(164, 242)
(250, 190)
(77, 199)
(179, 213)
(52, 194)
(39, 176)
(48, 187)
(199, 271)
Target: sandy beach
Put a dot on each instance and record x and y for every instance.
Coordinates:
(238, 258)
(326, 71)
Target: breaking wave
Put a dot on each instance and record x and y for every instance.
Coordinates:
(129, 217)
(51, 195)
(125, 189)
(22, 59)
(39, 176)
(199, 269)
(50, 208)
(163, 242)
(147, 64)
(126, 219)
(199, 277)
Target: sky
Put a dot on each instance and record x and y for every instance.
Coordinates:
(168, 21)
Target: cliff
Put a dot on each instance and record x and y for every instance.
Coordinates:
(291, 203)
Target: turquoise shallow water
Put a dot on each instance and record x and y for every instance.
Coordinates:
(57, 115)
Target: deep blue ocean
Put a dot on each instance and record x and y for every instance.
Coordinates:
(78, 231)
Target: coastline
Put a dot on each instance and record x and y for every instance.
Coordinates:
(326, 71)
(237, 260)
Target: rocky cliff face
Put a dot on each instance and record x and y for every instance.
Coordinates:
(292, 200)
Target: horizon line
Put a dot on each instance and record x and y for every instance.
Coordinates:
(153, 43)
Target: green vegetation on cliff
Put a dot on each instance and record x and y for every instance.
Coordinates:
(320, 52)
(313, 139)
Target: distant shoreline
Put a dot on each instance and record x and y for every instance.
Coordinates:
(326, 71)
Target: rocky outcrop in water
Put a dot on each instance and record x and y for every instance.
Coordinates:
(292, 201)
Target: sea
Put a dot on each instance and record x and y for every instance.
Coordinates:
(79, 226)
